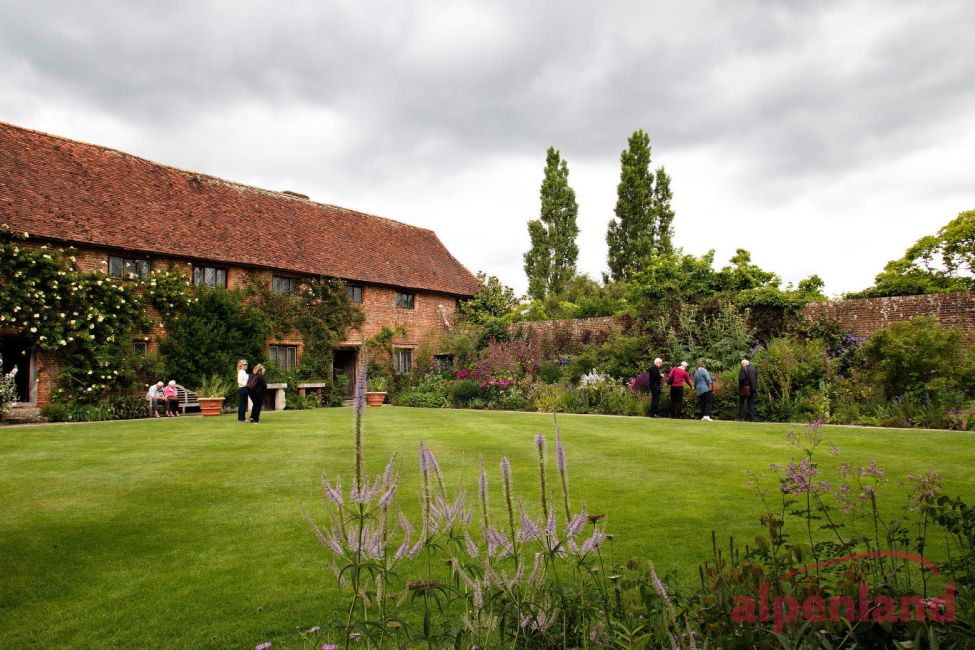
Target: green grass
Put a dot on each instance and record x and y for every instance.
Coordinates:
(188, 532)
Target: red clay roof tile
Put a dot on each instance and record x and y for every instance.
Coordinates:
(81, 193)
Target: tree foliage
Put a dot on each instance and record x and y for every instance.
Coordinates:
(214, 331)
(934, 264)
(492, 300)
(320, 311)
(551, 261)
(643, 224)
(911, 357)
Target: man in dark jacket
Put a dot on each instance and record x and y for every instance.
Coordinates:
(656, 380)
(747, 389)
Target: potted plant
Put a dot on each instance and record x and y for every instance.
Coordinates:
(211, 393)
(376, 388)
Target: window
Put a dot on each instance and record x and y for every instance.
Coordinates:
(443, 362)
(404, 300)
(285, 356)
(126, 267)
(141, 348)
(354, 292)
(403, 360)
(208, 276)
(286, 286)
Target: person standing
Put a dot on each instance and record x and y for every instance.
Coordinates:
(677, 378)
(256, 387)
(242, 378)
(747, 389)
(656, 381)
(704, 387)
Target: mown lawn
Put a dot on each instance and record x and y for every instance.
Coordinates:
(188, 532)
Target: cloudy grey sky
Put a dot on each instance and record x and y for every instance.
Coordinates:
(825, 137)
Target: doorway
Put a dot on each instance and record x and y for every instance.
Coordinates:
(344, 363)
(16, 353)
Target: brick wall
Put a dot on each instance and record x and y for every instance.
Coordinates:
(576, 330)
(864, 316)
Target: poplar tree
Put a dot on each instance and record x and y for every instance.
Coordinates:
(551, 261)
(642, 227)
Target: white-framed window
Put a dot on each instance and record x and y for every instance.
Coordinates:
(284, 285)
(127, 267)
(209, 276)
(405, 300)
(403, 360)
(284, 356)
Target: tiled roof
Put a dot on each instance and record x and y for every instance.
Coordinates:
(81, 193)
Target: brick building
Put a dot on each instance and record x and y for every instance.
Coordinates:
(125, 214)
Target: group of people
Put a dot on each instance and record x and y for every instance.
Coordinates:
(250, 386)
(703, 384)
(163, 397)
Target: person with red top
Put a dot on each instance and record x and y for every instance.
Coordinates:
(677, 378)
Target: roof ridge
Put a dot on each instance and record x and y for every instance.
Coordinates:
(212, 177)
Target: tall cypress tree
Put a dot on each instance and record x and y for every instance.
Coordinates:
(663, 213)
(643, 224)
(551, 261)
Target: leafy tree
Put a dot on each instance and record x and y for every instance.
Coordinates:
(583, 297)
(934, 264)
(214, 331)
(644, 218)
(492, 300)
(742, 274)
(551, 261)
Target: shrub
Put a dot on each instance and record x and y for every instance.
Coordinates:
(216, 330)
(417, 399)
(549, 372)
(463, 392)
(128, 408)
(8, 392)
(907, 356)
(60, 412)
(56, 412)
(302, 402)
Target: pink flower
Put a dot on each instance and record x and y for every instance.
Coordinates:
(263, 646)
(329, 646)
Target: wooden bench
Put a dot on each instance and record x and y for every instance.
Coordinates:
(186, 399)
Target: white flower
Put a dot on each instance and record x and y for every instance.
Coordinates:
(33, 330)
(62, 342)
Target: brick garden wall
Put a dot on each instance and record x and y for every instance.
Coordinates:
(577, 330)
(864, 316)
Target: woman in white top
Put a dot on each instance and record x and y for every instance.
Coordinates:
(242, 378)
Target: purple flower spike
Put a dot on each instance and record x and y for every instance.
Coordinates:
(540, 443)
(359, 395)
(505, 469)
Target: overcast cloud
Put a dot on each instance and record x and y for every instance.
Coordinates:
(824, 137)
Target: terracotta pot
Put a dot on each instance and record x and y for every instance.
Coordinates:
(210, 405)
(375, 398)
